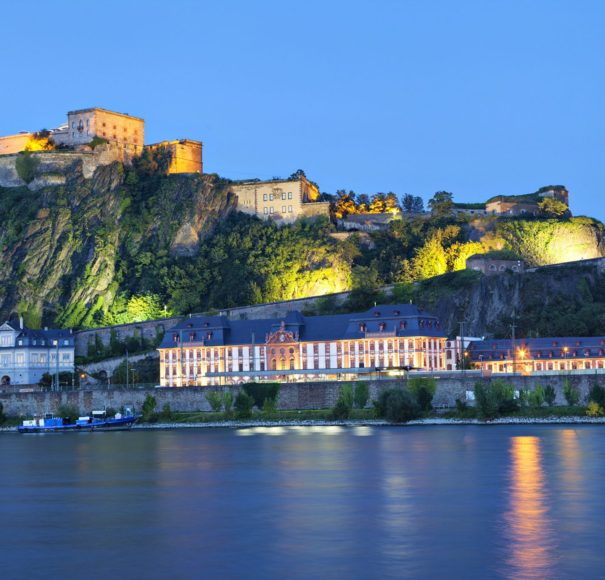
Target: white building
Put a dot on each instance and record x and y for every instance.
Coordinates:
(26, 354)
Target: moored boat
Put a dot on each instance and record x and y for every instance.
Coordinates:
(96, 421)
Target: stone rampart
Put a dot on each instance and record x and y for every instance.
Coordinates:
(312, 395)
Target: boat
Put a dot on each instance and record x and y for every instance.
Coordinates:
(96, 421)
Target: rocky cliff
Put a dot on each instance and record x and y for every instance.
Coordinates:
(61, 246)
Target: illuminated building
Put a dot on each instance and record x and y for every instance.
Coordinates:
(538, 355)
(281, 200)
(212, 350)
(26, 354)
(186, 155)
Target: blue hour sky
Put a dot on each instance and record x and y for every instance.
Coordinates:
(478, 97)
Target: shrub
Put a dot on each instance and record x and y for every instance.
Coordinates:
(536, 397)
(69, 412)
(397, 406)
(461, 406)
(269, 406)
(495, 399)
(571, 393)
(2, 415)
(166, 413)
(594, 409)
(215, 400)
(423, 390)
(550, 395)
(149, 405)
(342, 409)
(362, 394)
(597, 395)
(227, 402)
(26, 165)
(243, 405)
(260, 392)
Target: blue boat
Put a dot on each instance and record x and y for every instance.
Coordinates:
(96, 421)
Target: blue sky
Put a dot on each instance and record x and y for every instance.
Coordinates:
(478, 97)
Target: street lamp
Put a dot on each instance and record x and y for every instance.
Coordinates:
(565, 351)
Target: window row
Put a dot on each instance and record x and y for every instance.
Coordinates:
(272, 196)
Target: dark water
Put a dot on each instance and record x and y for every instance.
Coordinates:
(415, 502)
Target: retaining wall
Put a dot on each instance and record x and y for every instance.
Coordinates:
(312, 395)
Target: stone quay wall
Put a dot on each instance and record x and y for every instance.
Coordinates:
(311, 395)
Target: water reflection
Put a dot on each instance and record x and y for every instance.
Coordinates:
(530, 534)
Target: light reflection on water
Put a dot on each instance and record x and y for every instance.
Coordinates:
(530, 532)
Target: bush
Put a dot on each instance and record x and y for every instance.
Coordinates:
(550, 395)
(26, 165)
(243, 405)
(260, 392)
(215, 400)
(269, 406)
(342, 409)
(495, 399)
(597, 395)
(423, 390)
(536, 397)
(594, 409)
(2, 415)
(166, 413)
(227, 402)
(571, 393)
(69, 412)
(362, 394)
(149, 405)
(397, 406)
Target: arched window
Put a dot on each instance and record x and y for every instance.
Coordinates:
(291, 363)
(273, 364)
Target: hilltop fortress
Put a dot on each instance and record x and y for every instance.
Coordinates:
(90, 138)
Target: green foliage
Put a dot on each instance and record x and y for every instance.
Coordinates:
(26, 165)
(397, 406)
(215, 400)
(166, 413)
(361, 395)
(423, 389)
(495, 399)
(261, 392)
(97, 141)
(536, 397)
(571, 393)
(2, 415)
(228, 403)
(441, 204)
(69, 412)
(550, 395)
(65, 379)
(344, 404)
(594, 409)
(148, 409)
(134, 309)
(243, 405)
(552, 208)
(269, 407)
(145, 371)
(597, 395)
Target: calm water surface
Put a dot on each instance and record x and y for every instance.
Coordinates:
(322, 502)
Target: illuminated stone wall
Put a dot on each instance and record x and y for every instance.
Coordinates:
(14, 143)
(186, 155)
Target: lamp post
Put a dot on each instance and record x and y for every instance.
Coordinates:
(565, 351)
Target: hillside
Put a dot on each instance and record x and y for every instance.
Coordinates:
(131, 244)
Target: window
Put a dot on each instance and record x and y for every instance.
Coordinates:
(65, 357)
(5, 340)
(289, 209)
(104, 125)
(266, 211)
(271, 210)
(270, 197)
(264, 197)
(283, 209)
(283, 195)
(289, 195)
(103, 133)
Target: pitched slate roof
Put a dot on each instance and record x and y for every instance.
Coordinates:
(387, 320)
(544, 348)
(42, 337)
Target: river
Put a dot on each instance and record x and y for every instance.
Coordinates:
(517, 502)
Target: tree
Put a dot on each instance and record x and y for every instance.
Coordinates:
(214, 400)
(243, 405)
(571, 393)
(298, 174)
(345, 204)
(441, 204)
(553, 208)
(363, 203)
(423, 389)
(149, 405)
(362, 393)
(430, 259)
(412, 204)
(397, 406)
(392, 203)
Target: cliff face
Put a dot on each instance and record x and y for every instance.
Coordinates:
(61, 246)
(555, 301)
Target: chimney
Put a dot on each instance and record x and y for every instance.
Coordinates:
(21, 322)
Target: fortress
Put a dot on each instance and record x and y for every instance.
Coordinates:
(92, 137)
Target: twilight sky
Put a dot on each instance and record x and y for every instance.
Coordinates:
(478, 97)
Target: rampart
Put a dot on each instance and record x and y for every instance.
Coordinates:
(311, 395)
(54, 166)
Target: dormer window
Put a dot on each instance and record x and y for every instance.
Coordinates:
(209, 335)
(381, 326)
(175, 338)
(376, 313)
(402, 324)
(191, 336)
(396, 312)
(206, 324)
(362, 327)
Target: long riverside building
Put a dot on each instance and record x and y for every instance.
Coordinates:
(537, 355)
(212, 350)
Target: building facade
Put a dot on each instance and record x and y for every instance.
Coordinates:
(10, 144)
(26, 354)
(281, 200)
(539, 355)
(186, 155)
(212, 350)
(84, 125)
(491, 266)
